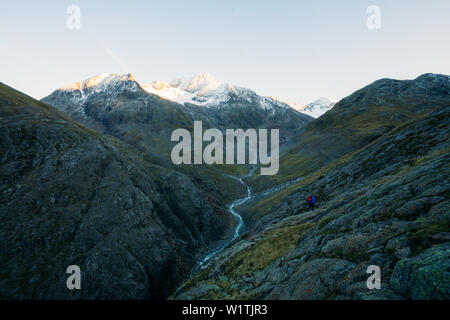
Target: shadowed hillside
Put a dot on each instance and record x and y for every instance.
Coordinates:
(69, 195)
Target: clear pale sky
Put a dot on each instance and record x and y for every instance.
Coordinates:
(294, 50)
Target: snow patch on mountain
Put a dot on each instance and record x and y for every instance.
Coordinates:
(106, 83)
(164, 90)
(205, 90)
(200, 89)
(199, 83)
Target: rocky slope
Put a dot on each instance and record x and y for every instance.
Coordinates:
(69, 195)
(386, 204)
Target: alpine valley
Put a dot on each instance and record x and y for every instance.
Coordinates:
(86, 179)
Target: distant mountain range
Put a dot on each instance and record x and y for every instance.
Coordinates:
(203, 90)
(111, 99)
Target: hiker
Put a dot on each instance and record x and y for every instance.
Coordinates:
(314, 199)
(311, 201)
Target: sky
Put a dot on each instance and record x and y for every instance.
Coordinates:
(296, 51)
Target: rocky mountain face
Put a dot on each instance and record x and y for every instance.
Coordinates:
(70, 195)
(386, 204)
(357, 120)
(318, 107)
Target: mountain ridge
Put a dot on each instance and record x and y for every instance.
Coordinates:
(358, 119)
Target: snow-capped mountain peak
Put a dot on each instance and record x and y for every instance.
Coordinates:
(98, 80)
(294, 105)
(323, 102)
(201, 89)
(106, 84)
(199, 83)
(314, 109)
(166, 91)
